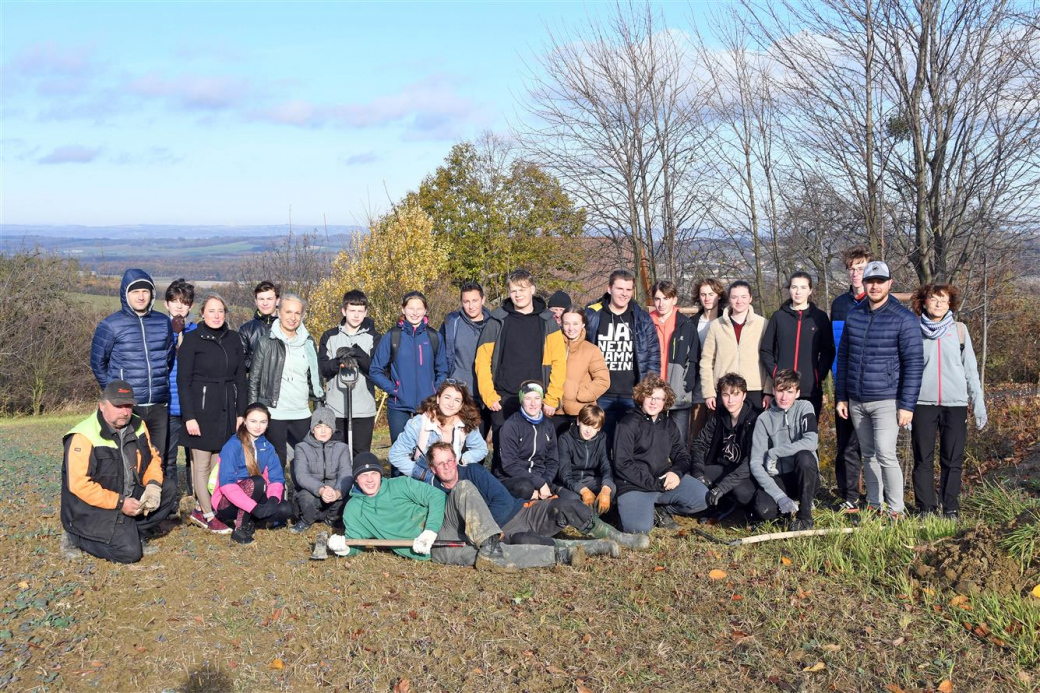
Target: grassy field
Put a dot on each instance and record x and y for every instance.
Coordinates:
(818, 614)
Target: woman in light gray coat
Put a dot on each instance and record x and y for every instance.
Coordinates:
(950, 381)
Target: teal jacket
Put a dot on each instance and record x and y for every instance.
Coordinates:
(401, 509)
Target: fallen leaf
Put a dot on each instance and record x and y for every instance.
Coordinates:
(819, 666)
(658, 568)
(276, 664)
(587, 639)
(946, 686)
(478, 671)
(95, 664)
(736, 598)
(555, 670)
(402, 686)
(832, 648)
(981, 630)
(583, 689)
(23, 585)
(140, 648)
(1036, 592)
(785, 560)
(717, 574)
(201, 621)
(898, 641)
(958, 600)
(893, 688)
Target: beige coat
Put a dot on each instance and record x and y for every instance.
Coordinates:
(587, 375)
(721, 354)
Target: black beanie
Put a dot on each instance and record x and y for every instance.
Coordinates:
(139, 284)
(560, 300)
(366, 462)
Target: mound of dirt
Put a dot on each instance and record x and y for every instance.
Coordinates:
(971, 562)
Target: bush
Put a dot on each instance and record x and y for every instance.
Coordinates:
(45, 340)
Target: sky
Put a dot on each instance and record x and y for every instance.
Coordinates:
(225, 113)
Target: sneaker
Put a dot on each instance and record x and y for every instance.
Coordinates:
(217, 527)
(848, 508)
(894, 516)
(664, 520)
(799, 525)
(198, 519)
(300, 527)
(68, 547)
(148, 548)
(950, 515)
(243, 534)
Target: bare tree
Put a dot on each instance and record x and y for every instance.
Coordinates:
(615, 114)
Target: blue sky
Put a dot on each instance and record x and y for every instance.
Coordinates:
(230, 113)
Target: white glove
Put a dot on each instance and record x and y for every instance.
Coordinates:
(981, 419)
(424, 542)
(338, 545)
(150, 498)
(787, 506)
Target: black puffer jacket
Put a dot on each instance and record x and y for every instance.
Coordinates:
(645, 450)
(584, 463)
(712, 447)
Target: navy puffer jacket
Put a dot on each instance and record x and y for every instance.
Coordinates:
(881, 356)
(644, 334)
(135, 348)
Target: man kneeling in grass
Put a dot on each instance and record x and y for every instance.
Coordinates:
(403, 508)
(783, 454)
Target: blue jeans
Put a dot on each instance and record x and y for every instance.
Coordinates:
(636, 508)
(614, 406)
(396, 420)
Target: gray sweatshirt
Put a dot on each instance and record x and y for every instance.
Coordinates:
(951, 374)
(779, 435)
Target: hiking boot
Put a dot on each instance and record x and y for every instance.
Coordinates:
(149, 548)
(593, 547)
(491, 558)
(217, 527)
(800, 525)
(664, 520)
(300, 527)
(68, 547)
(601, 530)
(848, 508)
(950, 515)
(243, 534)
(198, 519)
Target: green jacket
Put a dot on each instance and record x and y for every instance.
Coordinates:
(401, 509)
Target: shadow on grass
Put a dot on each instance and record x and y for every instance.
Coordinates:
(208, 679)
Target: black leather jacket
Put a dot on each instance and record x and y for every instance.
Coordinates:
(251, 332)
(265, 380)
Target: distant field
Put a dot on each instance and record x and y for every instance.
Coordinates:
(107, 302)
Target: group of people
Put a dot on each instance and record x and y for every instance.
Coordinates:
(601, 415)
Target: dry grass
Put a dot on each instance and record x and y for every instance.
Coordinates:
(205, 615)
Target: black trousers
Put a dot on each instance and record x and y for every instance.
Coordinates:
(360, 434)
(156, 418)
(285, 433)
(510, 405)
(799, 485)
(951, 425)
(125, 546)
(311, 508)
(816, 400)
(848, 465)
(743, 493)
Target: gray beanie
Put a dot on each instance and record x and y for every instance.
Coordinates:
(323, 415)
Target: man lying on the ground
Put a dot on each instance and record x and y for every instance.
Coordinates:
(531, 522)
(403, 508)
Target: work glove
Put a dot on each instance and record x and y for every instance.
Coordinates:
(981, 419)
(177, 322)
(603, 500)
(150, 498)
(703, 480)
(338, 545)
(712, 499)
(587, 497)
(364, 360)
(424, 542)
(266, 509)
(787, 506)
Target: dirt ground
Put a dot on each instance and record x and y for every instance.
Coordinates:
(973, 562)
(204, 615)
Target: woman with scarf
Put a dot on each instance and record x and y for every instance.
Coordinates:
(211, 382)
(451, 415)
(951, 379)
(530, 461)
